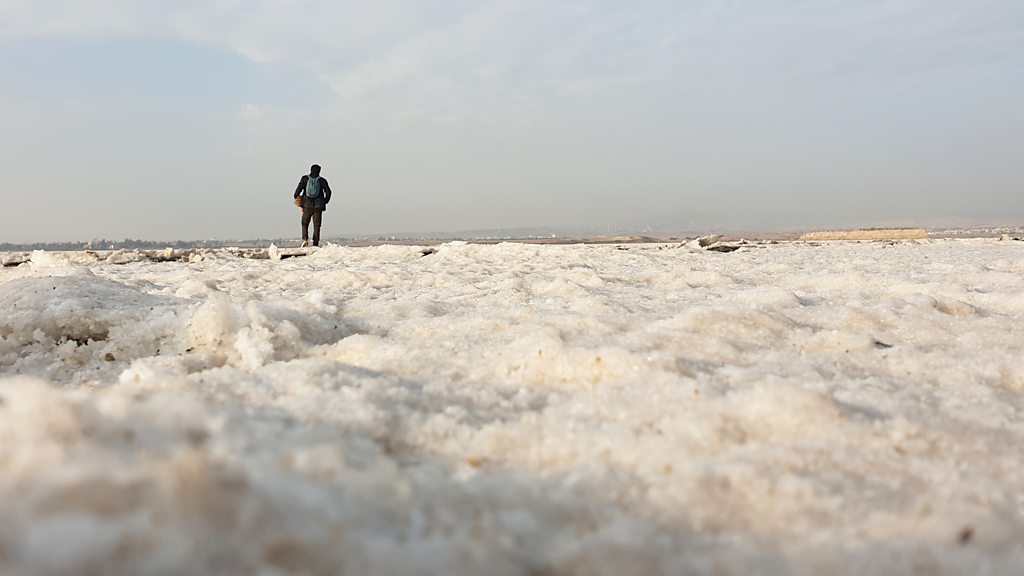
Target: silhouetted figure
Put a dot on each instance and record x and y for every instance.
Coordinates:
(315, 194)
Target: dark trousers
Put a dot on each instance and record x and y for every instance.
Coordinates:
(316, 216)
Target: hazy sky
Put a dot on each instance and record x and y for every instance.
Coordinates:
(195, 118)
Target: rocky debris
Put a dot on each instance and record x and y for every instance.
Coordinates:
(11, 259)
(714, 243)
(724, 248)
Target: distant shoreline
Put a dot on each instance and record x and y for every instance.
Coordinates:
(851, 233)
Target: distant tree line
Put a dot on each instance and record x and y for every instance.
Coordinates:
(133, 244)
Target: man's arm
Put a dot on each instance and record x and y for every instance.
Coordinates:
(300, 187)
(326, 190)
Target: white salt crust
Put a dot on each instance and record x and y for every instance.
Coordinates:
(849, 408)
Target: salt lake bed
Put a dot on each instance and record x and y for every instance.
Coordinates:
(782, 408)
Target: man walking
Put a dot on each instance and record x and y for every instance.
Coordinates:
(315, 193)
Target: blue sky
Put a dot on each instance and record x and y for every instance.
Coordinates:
(194, 119)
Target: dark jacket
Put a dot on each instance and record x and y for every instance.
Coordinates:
(318, 203)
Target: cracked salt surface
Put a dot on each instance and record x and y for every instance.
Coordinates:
(848, 408)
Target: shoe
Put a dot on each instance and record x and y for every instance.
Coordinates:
(305, 243)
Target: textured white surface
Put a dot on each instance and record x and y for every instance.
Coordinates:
(848, 408)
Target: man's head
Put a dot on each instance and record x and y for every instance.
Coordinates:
(314, 170)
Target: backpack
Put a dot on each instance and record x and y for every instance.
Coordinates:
(313, 187)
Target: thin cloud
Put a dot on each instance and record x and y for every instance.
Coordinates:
(565, 107)
(253, 112)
